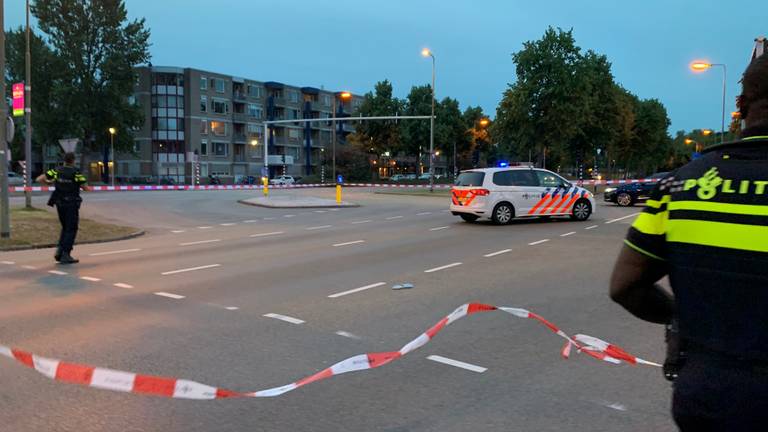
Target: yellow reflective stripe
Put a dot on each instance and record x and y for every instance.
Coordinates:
(652, 224)
(741, 209)
(657, 204)
(756, 137)
(642, 251)
(79, 178)
(718, 234)
(52, 173)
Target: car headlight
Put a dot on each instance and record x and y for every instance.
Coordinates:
(609, 190)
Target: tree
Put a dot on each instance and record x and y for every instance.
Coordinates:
(46, 75)
(450, 129)
(478, 138)
(415, 133)
(98, 49)
(354, 161)
(382, 135)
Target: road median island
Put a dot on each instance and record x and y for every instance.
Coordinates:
(36, 228)
(291, 201)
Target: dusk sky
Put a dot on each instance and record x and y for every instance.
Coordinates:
(352, 44)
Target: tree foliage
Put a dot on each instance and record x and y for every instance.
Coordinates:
(382, 136)
(97, 48)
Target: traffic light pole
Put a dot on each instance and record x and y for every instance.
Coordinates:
(5, 213)
(28, 121)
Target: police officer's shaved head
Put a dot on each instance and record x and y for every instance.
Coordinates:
(753, 102)
(69, 158)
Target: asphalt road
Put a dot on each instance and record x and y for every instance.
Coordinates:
(209, 324)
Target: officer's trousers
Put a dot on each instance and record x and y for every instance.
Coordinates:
(69, 216)
(713, 393)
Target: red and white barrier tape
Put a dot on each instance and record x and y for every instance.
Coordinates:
(133, 188)
(130, 382)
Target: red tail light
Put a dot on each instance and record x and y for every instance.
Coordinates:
(480, 192)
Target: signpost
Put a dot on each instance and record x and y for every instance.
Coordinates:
(18, 99)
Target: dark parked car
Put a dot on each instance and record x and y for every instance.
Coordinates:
(628, 194)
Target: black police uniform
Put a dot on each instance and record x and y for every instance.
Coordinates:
(66, 198)
(708, 222)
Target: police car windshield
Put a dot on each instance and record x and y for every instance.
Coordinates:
(470, 178)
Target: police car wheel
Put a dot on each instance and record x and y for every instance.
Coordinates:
(468, 217)
(624, 200)
(581, 210)
(503, 213)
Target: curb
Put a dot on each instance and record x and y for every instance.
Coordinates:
(138, 233)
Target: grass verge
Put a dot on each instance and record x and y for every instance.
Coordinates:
(35, 227)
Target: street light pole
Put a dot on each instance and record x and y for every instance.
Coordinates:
(426, 52)
(333, 137)
(28, 120)
(112, 132)
(700, 66)
(5, 222)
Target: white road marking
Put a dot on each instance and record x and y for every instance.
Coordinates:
(347, 334)
(568, 234)
(439, 228)
(268, 234)
(57, 272)
(617, 406)
(250, 221)
(538, 242)
(228, 224)
(352, 291)
(456, 363)
(318, 227)
(333, 210)
(289, 216)
(349, 243)
(361, 222)
(190, 269)
(491, 255)
(288, 319)
(394, 217)
(423, 213)
(169, 295)
(320, 211)
(178, 231)
(231, 308)
(432, 270)
(8, 262)
(29, 267)
(269, 218)
(90, 279)
(591, 227)
(204, 227)
(115, 252)
(123, 285)
(199, 242)
(622, 218)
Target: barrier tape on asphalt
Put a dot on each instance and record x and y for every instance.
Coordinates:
(130, 382)
(295, 186)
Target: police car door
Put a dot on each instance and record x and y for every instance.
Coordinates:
(519, 187)
(554, 195)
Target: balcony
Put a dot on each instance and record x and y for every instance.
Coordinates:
(239, 96)
(280, 160)
(240, 117)
(239, 137)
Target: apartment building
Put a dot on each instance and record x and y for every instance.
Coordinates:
(214, 123)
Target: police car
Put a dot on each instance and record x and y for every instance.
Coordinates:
(502, 194)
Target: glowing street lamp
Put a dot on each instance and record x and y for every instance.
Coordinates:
(427, 53)
(112, 132)
(702, 66)
(344, 96)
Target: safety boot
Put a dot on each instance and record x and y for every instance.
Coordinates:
(66, 258)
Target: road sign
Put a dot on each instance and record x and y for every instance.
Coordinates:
(69, 145)
(18, 99)
(339, 179)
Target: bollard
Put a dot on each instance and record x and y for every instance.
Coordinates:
(338, 194)
(265, 182)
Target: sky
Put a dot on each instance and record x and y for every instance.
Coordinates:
(352, 44)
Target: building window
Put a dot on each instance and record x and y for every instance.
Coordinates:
(254, 91)
(137, 146)
(220, 106)
(204, 148)
(218, 84)
(132, 100)
(293, 114)
(220, 149)
(254, 129)
(255, 111)
(204, 127)
(293, 134)
(203, 103)
(326, 100)
(219, 128)
(203, 83)
(293, 96)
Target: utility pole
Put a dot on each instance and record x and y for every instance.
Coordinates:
(5, 222)
(28, 120)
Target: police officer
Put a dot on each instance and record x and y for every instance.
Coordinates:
(706, 228)
(68, 181)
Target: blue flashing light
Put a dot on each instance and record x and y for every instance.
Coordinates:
(503, 164)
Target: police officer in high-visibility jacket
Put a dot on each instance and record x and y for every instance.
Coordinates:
(68, 181)
(706, 227)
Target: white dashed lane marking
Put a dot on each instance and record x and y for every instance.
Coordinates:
(320, 211)
(394, 217)
(318, 227)
(361, 222)
(249, 221)
(173, 272)
(456, 363)
(204, 227)
(568, 234)
(29, 267)
(538, 242)
(591, 227)
(289, 216)
(169, 295)
(274, 233)
(90, 279)
(123, 285)
(352, 291)
(285, 318)
(8, 262)
(349, 243)
(178, 231)
(347, 334)
(439, 228)
(57, 272)
(622, 218)
(228, 224)
(423, 213)
(231, 308)
(432, 270)
(199, 242)
(114, 252)
(491, 255)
